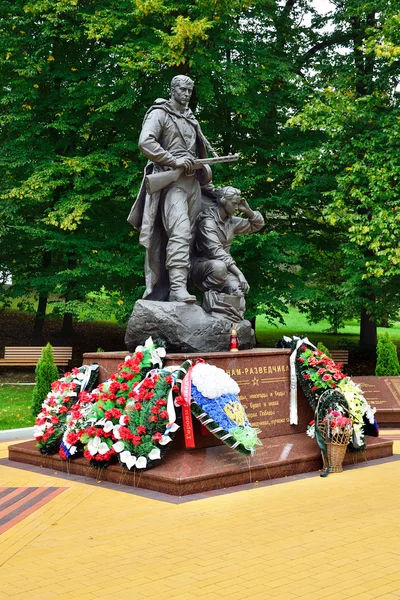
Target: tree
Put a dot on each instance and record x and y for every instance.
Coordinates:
(354, 117)
(387, 361)
(46, 372)
(78, 78)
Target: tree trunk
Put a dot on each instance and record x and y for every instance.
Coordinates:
(67, 326)
(41, 307)
(39, 320)
(368, 332)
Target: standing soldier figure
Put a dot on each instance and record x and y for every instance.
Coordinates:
(171, 138)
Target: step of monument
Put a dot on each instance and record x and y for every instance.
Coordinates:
(184, 472)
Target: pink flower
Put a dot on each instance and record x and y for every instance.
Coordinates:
(326, 377)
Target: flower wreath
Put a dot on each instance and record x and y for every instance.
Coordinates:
(129, 418)
(215, 403)
(51, 422)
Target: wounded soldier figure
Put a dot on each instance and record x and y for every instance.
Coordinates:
(214, 271)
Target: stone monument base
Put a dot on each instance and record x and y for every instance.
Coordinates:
(384, 394)
(184, 327)
(185, 472)
(263, 377)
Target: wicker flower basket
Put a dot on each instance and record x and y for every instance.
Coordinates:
(336, 445)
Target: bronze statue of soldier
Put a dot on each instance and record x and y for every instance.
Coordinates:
(169, 200)
(214, 271)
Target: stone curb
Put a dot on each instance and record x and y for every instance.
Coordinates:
(16, 434)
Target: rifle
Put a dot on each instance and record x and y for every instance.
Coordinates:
(158, 181)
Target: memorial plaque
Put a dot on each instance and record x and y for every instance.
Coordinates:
(384, 394)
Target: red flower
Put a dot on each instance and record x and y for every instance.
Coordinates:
(153, 419)
(168, 379)
(139, 355)
(72, 438)
(326, 377)
(136, 440)
(300, 359)
(321, 371)
(180, 401)
(164, 414)
(137, 406)
(141, 430)
(314, 388)
(124, 387)
(155, 410)
(157, 436)
(161, 402)
(306, 375)
(124, 433)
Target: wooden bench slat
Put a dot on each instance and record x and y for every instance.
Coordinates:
(340, 356)
(29, 355)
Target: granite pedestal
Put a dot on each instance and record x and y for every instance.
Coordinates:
(263, 377)
(384, 394)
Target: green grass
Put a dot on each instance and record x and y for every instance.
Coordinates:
(296, 323)
(15, 406)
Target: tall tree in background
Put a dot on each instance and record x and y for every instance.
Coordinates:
(354, 116)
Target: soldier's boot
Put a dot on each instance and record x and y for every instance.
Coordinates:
(177, 285)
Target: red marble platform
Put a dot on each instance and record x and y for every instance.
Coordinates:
(182, 473)
(384, 394)
(263, 377)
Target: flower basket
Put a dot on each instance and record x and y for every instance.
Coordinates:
(336, 440)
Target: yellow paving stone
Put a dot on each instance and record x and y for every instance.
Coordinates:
(94, 539)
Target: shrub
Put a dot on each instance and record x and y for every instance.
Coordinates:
(387, 361)
(324, 349)
(46, 372)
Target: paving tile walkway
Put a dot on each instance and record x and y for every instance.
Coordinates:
(307, 538)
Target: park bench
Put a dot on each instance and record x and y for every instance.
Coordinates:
(28, 356)
(340, 356)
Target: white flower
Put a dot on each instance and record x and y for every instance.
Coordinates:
(118, 446)
(101, 421)
(212, 382)
(155, 454)
(103, 448)
(311, 431)
(93, 445)
(123, 457)
(72, 450)
(108, 426)
(122, 419)
(156, 353)
(38, 430)
(141, 462)
(131, 462)
(165, 440)
(116, 432)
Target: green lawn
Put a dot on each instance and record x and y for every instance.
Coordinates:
(296, 323)
(15, 406)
